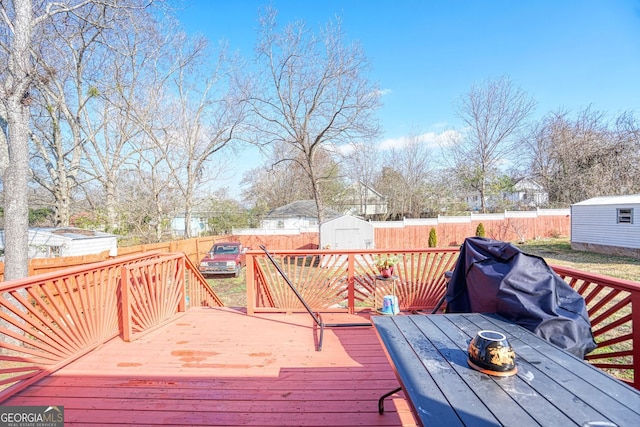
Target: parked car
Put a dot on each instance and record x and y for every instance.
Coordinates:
(223, 258)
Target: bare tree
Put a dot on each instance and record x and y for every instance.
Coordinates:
(146, 198)
(4, 148)
(389, 180)
(125, 90)
(17, 47)
(313, 95)
(626, 152)
(171, 110)
(444, 191)
(16, 83)
(209, 117)
(493, 113)
(414, 156)
(280, 181)
(586, 156)
(361, 164)
(67, 68)
(406, 187)
(269, 187)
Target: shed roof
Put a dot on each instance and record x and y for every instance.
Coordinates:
(55, 236)
(627, 199)
(72, 233)
(352, 218)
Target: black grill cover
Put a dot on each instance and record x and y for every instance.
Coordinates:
(491, 276)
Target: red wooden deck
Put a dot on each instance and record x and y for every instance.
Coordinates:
(219, 366)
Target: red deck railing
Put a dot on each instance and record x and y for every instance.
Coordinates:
(49, 320)
(614, 311)
(345, 281)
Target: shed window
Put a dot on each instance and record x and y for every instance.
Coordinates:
(625, 216)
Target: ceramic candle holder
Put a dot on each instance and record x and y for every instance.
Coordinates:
(491, 353)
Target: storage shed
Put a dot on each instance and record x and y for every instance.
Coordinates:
(346, 232)
(61, 242)
(608, 225)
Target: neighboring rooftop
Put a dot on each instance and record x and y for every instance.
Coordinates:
(611, 200)
(301, 209)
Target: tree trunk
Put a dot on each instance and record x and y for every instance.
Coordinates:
(62, 200)
(483, 189)
(16, 206)
(187, 223)
(111, 214)
(16, 175)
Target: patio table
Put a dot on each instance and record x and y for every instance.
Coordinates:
(551, 388)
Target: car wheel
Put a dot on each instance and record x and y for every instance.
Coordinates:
(237, 273)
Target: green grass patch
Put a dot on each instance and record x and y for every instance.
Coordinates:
(559, 252)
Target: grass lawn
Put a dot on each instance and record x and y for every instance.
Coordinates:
(559, 252)
(231, 290)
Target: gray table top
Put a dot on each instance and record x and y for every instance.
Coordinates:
(551, 388)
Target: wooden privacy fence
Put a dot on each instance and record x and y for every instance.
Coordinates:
(345, 281)
(331, 280)
(409, 233)
(49, 320)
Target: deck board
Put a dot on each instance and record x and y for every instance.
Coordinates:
(218, 366)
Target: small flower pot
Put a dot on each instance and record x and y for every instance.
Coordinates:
(386, 272)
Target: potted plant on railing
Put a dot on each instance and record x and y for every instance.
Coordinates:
(386, 264)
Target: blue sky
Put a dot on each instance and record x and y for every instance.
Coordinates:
(566, 54)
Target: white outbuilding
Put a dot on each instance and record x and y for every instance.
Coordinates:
(69, 241)
(608, 225)
(346, 232)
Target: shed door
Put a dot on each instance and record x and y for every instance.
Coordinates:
(347, 238)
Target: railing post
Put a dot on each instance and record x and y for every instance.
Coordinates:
(351, 292)
(250, 284)
(635, 321)
(182, 268)
(126, 305)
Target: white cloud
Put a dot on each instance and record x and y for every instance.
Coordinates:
(345, 149)
(440, 125)
(431, 139)
(448, 137)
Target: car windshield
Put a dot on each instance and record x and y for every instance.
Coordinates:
(225, 250)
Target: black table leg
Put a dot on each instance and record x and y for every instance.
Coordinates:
(381, 400)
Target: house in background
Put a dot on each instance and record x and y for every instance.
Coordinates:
(296, 215)
(608, 225)
(62, 242)
(526, 193)
(199, 223)
(202, 211)
(361, 200)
